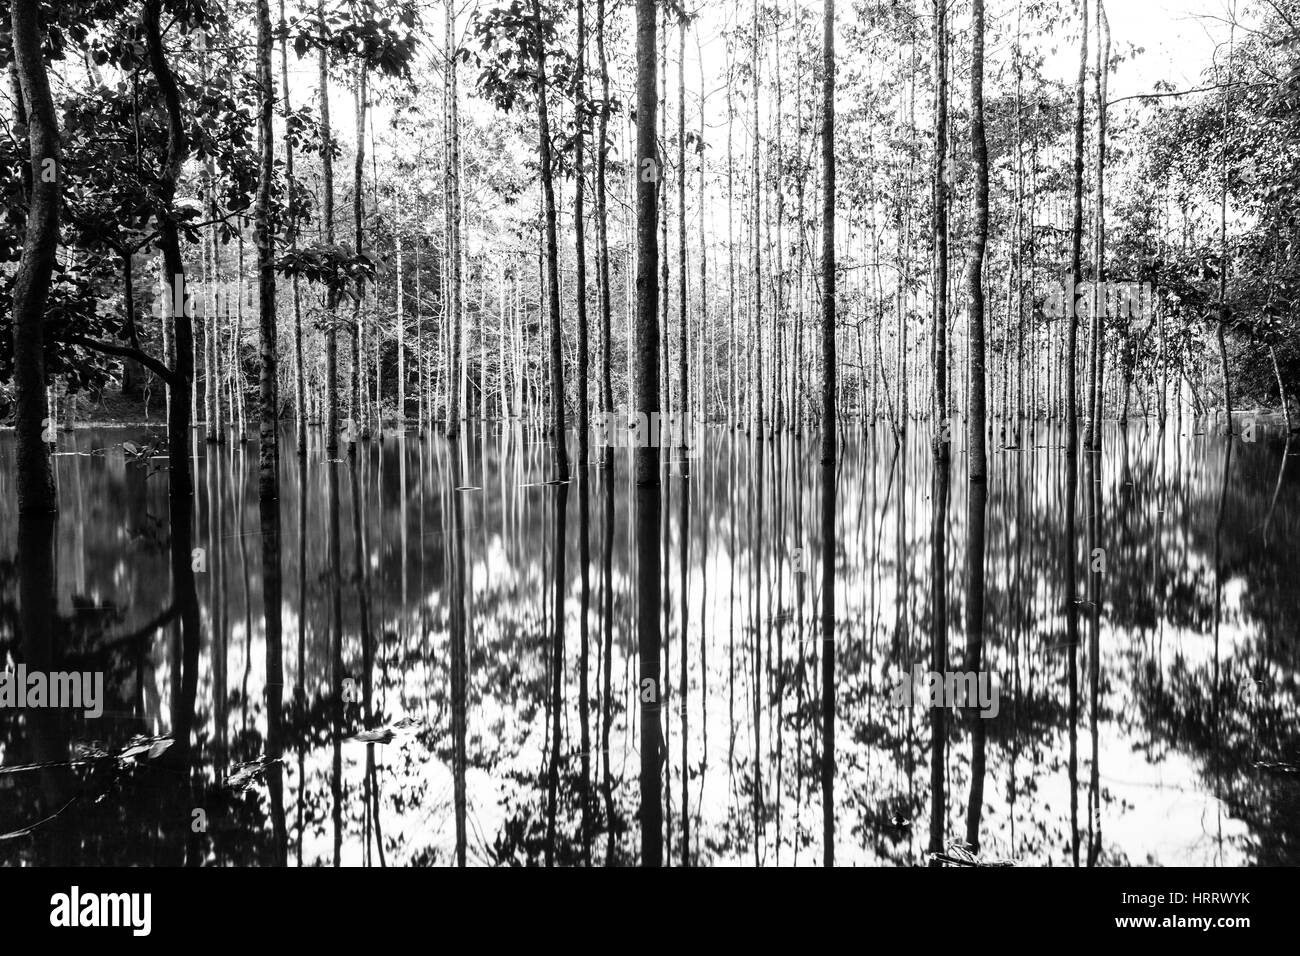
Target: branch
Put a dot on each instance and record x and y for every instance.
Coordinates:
(140, 634)
(1199, 89)
(122, 351)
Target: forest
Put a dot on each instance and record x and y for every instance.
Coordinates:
(872, 338)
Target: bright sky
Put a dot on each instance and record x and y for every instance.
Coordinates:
(1178, 37)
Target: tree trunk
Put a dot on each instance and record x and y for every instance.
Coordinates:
(756, 320)
(552, 256)
(1221, 331)
(1281, 388)
(31, 286)
(580, 249)
(978, 243)
(1097, 325)
(452, 136)
(606, 328)
(941, 444)
(681, 406)
(828, 434)
(178, 392)
(361, 418)
(327, 216)
(646, 458)
(299, 384)
(1071, 296)
(268, 437)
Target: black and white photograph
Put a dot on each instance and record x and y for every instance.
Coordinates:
(651, 433)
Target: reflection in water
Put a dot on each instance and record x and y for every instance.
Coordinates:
(420, 596)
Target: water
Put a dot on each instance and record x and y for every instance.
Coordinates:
(1166, 735)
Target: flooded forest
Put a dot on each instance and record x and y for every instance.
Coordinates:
(634, 433)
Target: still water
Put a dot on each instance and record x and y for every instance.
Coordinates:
(423, 703)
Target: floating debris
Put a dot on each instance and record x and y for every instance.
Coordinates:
(959, 854)
(147, 748)
(249, 773)
(383, 735)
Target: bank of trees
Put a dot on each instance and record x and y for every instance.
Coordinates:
(490, 176)
(437, 216)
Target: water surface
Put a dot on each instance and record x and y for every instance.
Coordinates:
(418, 602)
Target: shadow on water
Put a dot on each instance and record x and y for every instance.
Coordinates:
(449, 672)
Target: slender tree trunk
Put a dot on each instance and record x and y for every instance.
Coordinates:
(828, 433)
(552, 256)
(1223, 313)
(646, 457)
(268, 388)
(939, 358)
(452, 136)
(178, 393)
(1071, 297)
(978, 243)
(580, 246)
(602, 151)
(400, 315)
(268, 437)
(327, 217)
(360, 415)
(682, 406)
(299, 385)
(1097, 325)
(731, 256)
(1281, 388)
(31, 286)
(702, 408)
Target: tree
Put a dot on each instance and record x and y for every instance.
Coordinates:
(552, 253)
(32, 281)
(268, 382)
(979, 234)
(1076, 247)
(1097, 324)
(828, 433)
(939, 229)
(299, 376)
(327, 220)
(646, 459)
(602, 220)
(182, 373)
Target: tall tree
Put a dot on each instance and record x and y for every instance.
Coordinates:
(32, 282)
(360, 414)
(756, 320)
(646, 457)
(1097, 323)
(552, 252)
(451, 95)
(683, 350)
(828, 435)
(979, 237)
(299, 377)
(939, 226)
(1076, 247)
(264, 238)
(602, 228)
(580, 238)
(327, 221)
(176, 311)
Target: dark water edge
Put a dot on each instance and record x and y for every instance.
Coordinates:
(417, 605)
